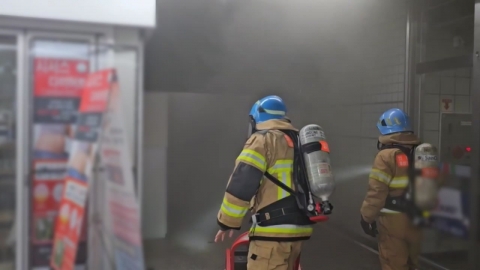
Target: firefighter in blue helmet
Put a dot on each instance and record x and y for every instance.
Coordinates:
(278, 227)
(399, 239)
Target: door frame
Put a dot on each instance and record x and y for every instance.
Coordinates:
(21, 171)
(418, 69)
(30, 37)
(474, 254)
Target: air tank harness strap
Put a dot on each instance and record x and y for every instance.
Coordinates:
(261, 217)
(398, 203)
(401, 203)
(280, 184)
(273, 214)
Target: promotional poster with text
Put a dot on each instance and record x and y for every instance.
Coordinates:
(57, 86)
(71, 221)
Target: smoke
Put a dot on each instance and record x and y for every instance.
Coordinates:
(351, 173)
(199, 237)
(221, 46)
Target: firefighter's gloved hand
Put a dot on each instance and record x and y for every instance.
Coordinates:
(369, 228)
(221, 235)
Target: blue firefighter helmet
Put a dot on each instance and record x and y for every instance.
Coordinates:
(268, 108)
(394, 121)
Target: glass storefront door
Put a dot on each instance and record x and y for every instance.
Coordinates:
(58, 67)
(444, 118)
(446, 122)
(125, 60)
(41, 75)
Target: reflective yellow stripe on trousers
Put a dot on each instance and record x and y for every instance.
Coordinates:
(283, 171)
(283, 229)
(232, 210)
(254, 158)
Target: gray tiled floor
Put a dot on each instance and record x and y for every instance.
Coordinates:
(327, 250)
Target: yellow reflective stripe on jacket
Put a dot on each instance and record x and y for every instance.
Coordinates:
(283, 171)
(395, 182)
(281, 165)
(232, 210)
(283, 229)
(254, 158)
(380, 176)
(285, 178)
(399, 182)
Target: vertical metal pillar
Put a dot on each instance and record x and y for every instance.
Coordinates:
(411, 94)
(474, 247)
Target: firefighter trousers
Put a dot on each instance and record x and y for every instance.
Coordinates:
(399, 242)
(270, 255)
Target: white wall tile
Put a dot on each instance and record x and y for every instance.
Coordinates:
(462, 104)
(431, 137)
(462, 86)
(463, 72)
(155, 119)
(431, 103)
(432, 84)
(154, 210)
(430, 121)
(447, 85)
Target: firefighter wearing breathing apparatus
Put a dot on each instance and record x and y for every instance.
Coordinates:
(403, 187)
(269, 179)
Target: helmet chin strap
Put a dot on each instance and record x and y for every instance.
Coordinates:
(380, 145)
(251, 126)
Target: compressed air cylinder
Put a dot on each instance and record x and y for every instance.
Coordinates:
(317, 161)
(427, 180)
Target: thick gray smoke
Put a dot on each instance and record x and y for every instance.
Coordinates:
(254, 46)
(323, 57)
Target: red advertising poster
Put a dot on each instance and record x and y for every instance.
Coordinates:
(58, 84)
(72, 206)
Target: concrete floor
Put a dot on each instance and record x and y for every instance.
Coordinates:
(338, 244)
(329, 249)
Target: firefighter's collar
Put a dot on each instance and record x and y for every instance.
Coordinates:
(399, 138)
(275, 124)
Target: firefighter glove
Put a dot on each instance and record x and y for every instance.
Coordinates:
(369, 228)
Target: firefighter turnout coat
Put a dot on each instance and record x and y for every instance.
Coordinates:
(268, 150)
(399, 240)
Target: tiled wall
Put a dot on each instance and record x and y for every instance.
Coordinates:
(452, 84)
(440, 43)
(379, 84)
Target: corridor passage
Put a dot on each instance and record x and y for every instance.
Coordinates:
(329, 249)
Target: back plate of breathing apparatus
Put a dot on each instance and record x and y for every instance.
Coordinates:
(406, 200)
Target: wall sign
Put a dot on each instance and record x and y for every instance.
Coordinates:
(446, 105)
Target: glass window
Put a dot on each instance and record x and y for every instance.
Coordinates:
(125, 61)
(58, 72)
